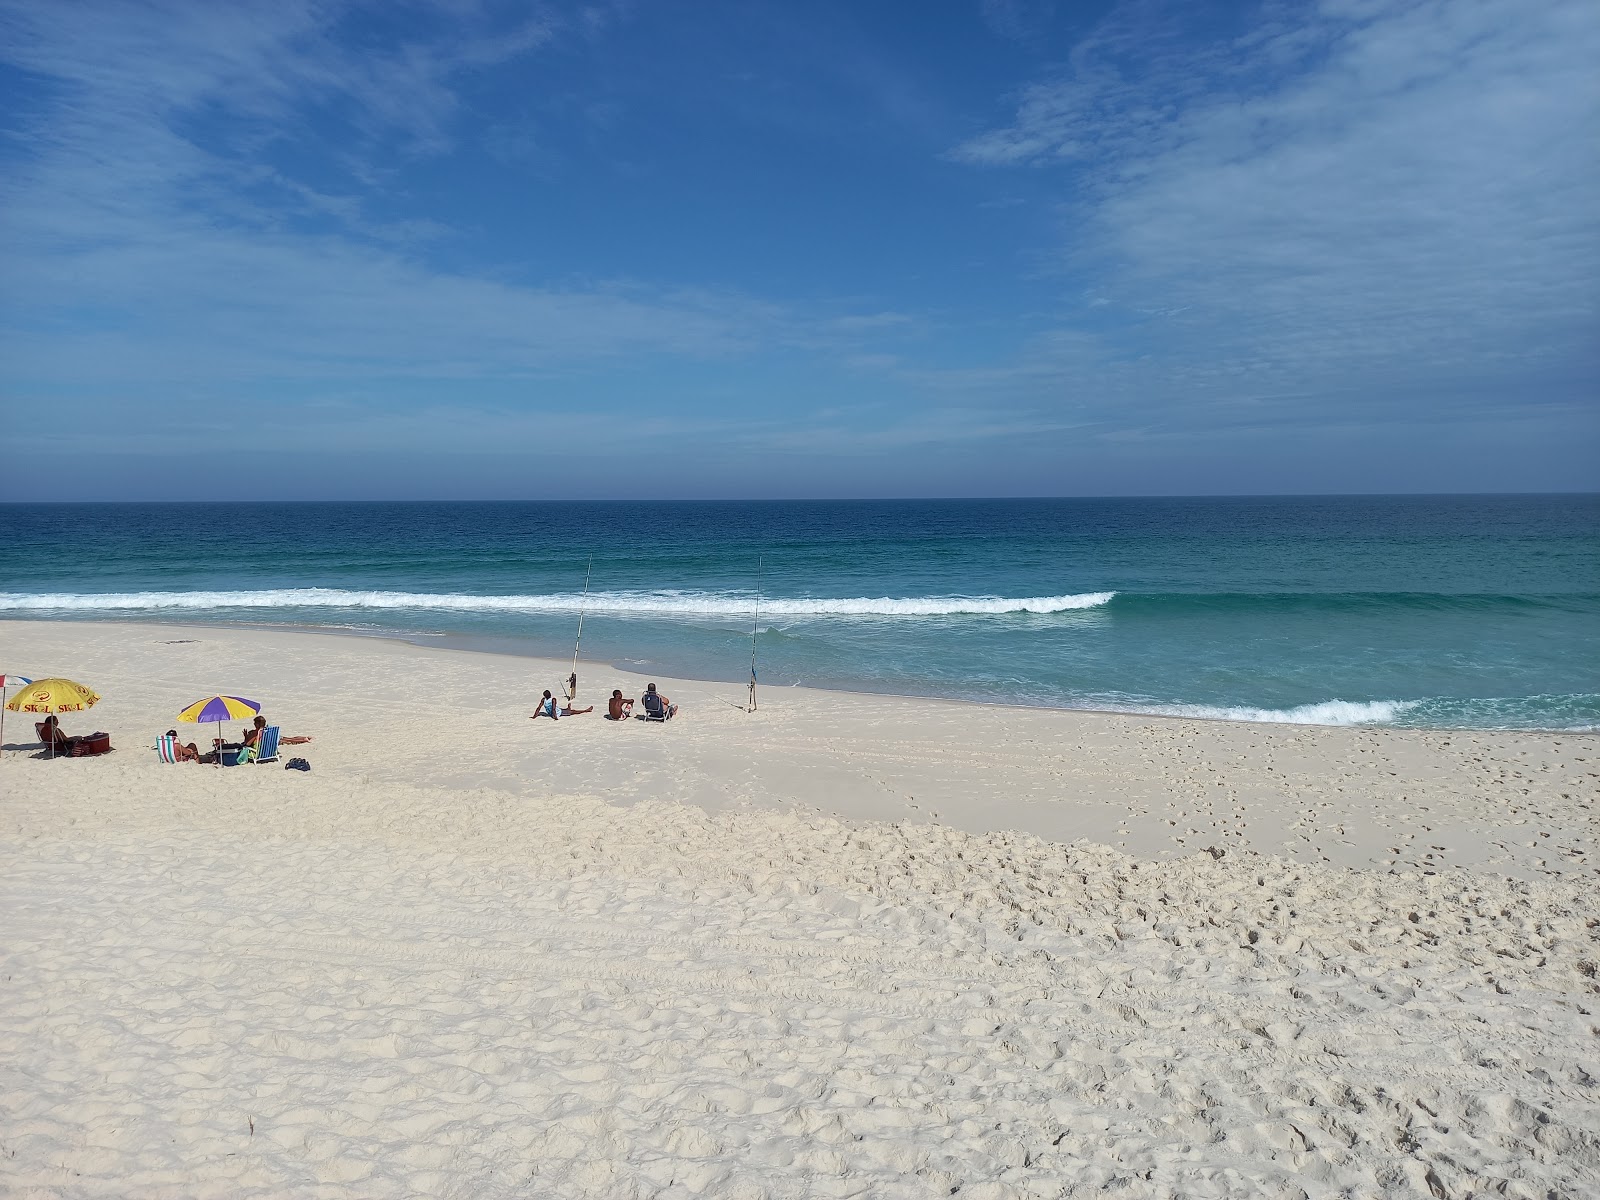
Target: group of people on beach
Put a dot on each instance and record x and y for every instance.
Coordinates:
(243, 750)
(657, 706)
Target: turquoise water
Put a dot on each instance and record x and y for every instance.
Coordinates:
(1480, 611)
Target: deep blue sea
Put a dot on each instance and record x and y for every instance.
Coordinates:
(1477, 611)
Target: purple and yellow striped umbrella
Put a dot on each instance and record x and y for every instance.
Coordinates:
(220, 709)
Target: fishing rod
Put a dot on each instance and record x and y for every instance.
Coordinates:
(755, 626)
(572, 683)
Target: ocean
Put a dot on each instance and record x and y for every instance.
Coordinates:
(1432, 611)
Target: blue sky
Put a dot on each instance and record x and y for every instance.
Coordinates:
(706, 249)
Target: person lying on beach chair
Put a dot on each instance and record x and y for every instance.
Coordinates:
(172, 750)
(656, 706)
(261, 723)
(49, 731)
(59, 744)
(548, 707)
(619, 707)
(267, 740)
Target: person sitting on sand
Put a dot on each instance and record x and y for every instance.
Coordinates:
(656, 706)
(549, 708)
(182, 753)
(619, 708)
(261, 723)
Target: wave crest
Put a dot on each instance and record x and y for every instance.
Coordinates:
(622, 603)
(1326, 712)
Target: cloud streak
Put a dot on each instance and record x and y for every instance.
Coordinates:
(1387, 204)
(150, 240)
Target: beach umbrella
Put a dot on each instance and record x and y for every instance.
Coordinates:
(52, 696)
(220, 709)
(7, 682)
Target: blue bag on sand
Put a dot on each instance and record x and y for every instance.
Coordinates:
(297, 764)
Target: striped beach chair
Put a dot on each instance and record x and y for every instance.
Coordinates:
(267, 745)
(167, 749)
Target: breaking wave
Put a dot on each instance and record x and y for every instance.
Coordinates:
(1327, 712)
(622, 603)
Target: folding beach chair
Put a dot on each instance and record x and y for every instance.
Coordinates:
(655, 709)
(58, 743)
(267, 744)
(167, 748)
(84, 746)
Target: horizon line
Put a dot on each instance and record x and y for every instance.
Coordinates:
(806, 499)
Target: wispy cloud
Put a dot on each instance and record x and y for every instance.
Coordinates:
(847, 436)
(154, 243)
(1387, 204)
(1016, 20)
(158, 59)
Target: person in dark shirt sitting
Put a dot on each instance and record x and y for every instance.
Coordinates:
(656, 706)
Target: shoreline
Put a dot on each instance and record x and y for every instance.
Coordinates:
(507, 647)
(1155, 786)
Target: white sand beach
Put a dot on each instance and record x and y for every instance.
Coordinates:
(845, 946)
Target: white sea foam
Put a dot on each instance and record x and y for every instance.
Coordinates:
(1327, 712)
(630, 603)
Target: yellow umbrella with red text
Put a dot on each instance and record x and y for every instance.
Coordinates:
(53, 696)
(45, 696)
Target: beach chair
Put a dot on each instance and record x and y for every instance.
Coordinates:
(84, 746)
(654, 709)
(267, 745)
(58, 743)
(167, 749)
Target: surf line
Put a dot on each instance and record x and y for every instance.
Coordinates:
(755, 625)
(572, 683)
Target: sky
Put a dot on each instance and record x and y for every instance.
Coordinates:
(443, 249)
